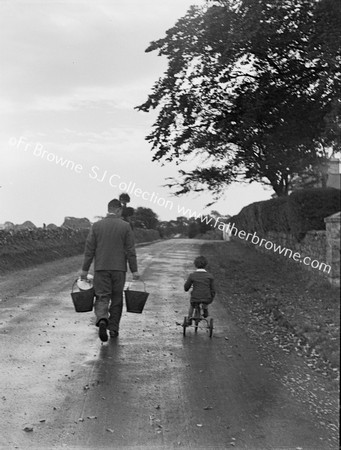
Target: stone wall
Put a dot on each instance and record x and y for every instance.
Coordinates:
(25, 248)
(334, 173)
(313, 247)
(18, 238)
(333, 226)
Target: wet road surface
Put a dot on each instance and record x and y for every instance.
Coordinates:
(149, 388)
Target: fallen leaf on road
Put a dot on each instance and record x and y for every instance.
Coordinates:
(199, 425)
(207, 407)
(110, 430)
(28, 428)
(92, 417)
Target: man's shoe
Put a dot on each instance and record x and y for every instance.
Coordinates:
(102, 333)
(205, 313)
(113, 334)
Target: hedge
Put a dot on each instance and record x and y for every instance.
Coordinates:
(303, 210)
(307, 209)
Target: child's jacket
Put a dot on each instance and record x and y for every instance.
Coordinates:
(203, 286)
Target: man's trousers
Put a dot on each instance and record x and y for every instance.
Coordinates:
(109, 285)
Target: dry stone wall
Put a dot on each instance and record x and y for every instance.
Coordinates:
(322, 247)
(333, 237)
(313, 245)
(24, 248)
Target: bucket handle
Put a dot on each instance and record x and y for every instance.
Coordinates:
(141, 281)
(73, 285)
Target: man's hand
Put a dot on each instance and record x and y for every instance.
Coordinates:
(136, 276)
(84, 275)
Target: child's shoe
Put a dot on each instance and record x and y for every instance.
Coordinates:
(189, 321)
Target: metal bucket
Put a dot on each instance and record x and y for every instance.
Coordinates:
(83, 301)
(135, 300)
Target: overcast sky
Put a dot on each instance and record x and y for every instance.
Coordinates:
(72, 72)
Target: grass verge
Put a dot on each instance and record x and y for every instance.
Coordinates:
(264, 293)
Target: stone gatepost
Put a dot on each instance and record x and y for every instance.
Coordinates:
(333, 235)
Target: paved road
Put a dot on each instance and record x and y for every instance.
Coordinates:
(149, 389)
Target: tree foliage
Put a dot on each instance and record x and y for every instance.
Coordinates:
(252, 89)
(145, 218)
(187, 227)
(173, 228)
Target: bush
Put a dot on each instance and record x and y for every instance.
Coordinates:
(211, 235)
(142, 235)
(302, 211)
(249, 217)
(274, 215)
(307, 209)
(193, 230)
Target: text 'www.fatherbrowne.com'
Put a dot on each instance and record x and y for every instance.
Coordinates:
(232, 230)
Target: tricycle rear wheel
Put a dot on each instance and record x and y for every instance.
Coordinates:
(211, 327)
(184, 325)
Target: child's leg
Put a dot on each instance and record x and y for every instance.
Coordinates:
(191, 309)
(205, 309)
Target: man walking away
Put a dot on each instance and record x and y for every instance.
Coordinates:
(111, 243)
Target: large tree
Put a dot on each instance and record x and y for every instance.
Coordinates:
(252, 90)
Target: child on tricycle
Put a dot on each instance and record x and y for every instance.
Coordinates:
(202, 293)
